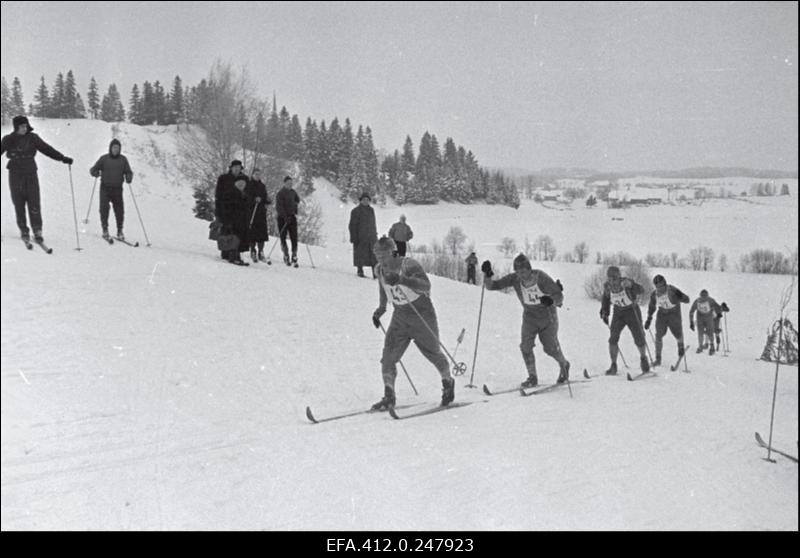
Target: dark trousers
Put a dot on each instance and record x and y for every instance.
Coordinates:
(25, 191)
(471, 274)
(111, 195)
(288, 225)
(401, 247)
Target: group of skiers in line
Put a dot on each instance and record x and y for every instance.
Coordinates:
(240, 209)
(403, 281)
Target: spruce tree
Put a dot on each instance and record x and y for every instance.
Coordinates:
(284, 123)
(135, 106)
(17, 103)
(158, 103)
(176, 101)
(295, 148)
(273, 139)
(323, 151)
(41, 99)
(371, 162)
(80, 109)
(69, 103)
(6, 102)
(334, 148)
(409, 161)
(57, 97)
(148, 113)
(93, 98)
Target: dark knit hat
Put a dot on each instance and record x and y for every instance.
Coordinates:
(287, 179)
(704, 293)
(522, 262)
(114, 142)
(612, 271)
(658, 279)
(21, 120)
(236, 162)
(365, 195)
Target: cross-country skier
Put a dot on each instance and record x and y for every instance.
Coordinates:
(23, 180)
(405, 283)
(707, 309)
(113, 167)
(622, 294)
(286, 202)
(540, 296)
(668, 299)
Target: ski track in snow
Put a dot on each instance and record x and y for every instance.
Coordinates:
(160, 388)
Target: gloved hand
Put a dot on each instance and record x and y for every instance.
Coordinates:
(94, 173)
(129, 180)
(719, 316)
(376, 318)
(725, 308)
(391, 278)
(546, 300)
(67, 160)
(604, 317)
(647, 322)
(486, 268)
(258, 199)
(691, 326)
(560, 286)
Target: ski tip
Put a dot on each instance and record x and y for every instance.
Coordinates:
(310, 416)
(393, 413)
(586, 374)
(522, 393)
(486, 390)
(630, 378)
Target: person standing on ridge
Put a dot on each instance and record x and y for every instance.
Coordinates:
(401, 233)
(472, 262)
(23, 180)
(113, 168)
(540, 296)
(363, 234)
(405, 283)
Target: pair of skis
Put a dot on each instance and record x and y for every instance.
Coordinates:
(526, 392)
(428, 410)
(111, 240)
(651, 373)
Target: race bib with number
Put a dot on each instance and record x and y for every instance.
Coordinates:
(530, 295)
(704, 307)
(400, 294)
(620, 299)
(663, 301)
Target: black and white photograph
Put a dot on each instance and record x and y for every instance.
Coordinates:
(407, 274)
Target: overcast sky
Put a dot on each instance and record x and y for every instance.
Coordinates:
(604, 85)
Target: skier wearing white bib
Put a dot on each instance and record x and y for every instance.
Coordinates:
(621, 293)
(668, 299)
(540, 296)
(404, 282)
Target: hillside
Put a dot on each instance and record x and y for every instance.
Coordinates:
(158, 388)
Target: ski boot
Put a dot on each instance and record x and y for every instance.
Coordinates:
(387, 402)
(106, 236)
(294, 260)
(120, 235)
(681, 350)
(711, 350)
(699, 350)
(612, 371)
(563, 376)
(448, 391)
(37, 235)
(657, 361)
(253, 255)
(286, 258)
(532, 381)
(261, 257)
(644, 364)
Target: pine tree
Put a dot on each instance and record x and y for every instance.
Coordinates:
(80, 109)
(409, 161)
(147, 113)
(69, 103)
(333, 142)
(135, 106)
(311, 141)
(283, 123)
(57, 97)
(93, 98)
(176, 101)
(371, 163)
(158, 103)
(111, 109)
(17, 104)
(6, 102)
(295, 148)
(41, 99)
(273, 139)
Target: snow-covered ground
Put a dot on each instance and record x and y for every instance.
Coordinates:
(158, 388)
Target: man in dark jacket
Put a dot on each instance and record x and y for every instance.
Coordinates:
(286, 201)
(231, 209)
(23, 181)
(113, 167)
(363, 234)
(401, 233)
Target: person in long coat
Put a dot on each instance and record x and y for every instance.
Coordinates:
(258, 200)
(232, 209)
(363, 234)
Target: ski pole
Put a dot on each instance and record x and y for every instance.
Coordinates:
(775, 390)
(461, 367)
(309, 253)
(401, 365)
(641, 328)
(619, 352)
(74, 211)
(477, 337)
(88, 209)
(253, 216)
(139, 214)
(428, 327)
(725, 321)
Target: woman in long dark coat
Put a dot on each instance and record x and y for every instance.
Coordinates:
(258, 200)
(363, 234)
(232, 209)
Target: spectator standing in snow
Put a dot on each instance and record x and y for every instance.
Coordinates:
(363, 234)
(401, 233)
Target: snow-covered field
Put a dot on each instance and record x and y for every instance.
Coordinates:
(158, 388)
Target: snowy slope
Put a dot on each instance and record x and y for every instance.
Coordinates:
(159, 388)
